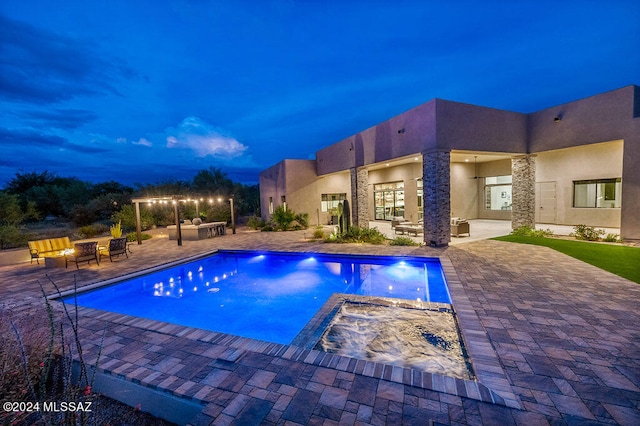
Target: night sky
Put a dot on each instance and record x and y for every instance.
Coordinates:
(146, 91)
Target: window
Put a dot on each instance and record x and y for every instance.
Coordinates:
(597, 193)
(389, 200)
(283, 200)
(497, 192)
(270, 205)
(330, 201)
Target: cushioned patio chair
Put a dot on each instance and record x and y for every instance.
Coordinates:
(459, 226)
(116, 247)
(81, 252)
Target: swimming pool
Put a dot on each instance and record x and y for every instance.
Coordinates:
(268, 296)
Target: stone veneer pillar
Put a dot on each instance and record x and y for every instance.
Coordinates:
(359, 197)
(436, 177)
(523, 204)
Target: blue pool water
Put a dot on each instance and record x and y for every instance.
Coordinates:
(264, 295)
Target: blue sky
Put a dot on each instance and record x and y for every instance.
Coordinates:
(145, 91)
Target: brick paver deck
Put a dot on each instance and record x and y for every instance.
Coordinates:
(553, 340)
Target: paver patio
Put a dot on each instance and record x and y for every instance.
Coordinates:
(565, 336)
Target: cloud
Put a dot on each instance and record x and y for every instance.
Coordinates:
(143, 142)
(27, 137)
(67, 119)
(203, 139)
(43, 67)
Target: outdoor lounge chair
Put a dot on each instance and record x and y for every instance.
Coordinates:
(116, 247)
(459, 226)
(81, 252)
(409, 228)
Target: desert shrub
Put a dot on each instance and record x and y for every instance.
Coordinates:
(218, 212)
(356, 234)
(283, 217)
(318, 233)
(268, 228)
(588, 233)
(116, 230)
(87, 231)
(527, 231)
(127, 217)
(11, 237)
(303, 220)
(611, 238)
(39, 361)
(91, 231)
(81, 215)
(134, 237)
(255, 222)
(21, 371)
(403, 241)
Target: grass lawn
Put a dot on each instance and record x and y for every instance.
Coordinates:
(618, 259)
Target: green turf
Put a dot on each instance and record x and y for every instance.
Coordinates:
(618, 259)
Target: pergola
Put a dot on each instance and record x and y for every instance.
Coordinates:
(175, 200)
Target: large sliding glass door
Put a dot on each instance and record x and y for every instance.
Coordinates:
(389, 200)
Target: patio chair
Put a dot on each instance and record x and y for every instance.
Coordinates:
(116, 247)
(81, 252)
(459, 226)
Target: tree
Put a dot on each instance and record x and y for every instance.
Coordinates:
(10, 211)
(212, 182)
(25, 181)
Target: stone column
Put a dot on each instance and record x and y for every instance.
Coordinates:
(523, 205)
(359, 197)
(436, 175)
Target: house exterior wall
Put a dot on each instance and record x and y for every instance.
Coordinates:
(403, 135)
(294, 179)
(473, 128)
(408, 174)
(336, 183)
(613, 115)
(445, 126)
(564, 166)
(465, 188)
(492, 168)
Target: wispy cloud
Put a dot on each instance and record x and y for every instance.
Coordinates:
(203, 139)
(143, 142)
(67, 119)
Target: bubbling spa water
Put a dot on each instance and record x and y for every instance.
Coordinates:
(421, 339)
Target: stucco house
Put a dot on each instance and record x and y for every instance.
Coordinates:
(575, 163)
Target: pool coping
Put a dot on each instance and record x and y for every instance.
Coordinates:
(491, 384)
